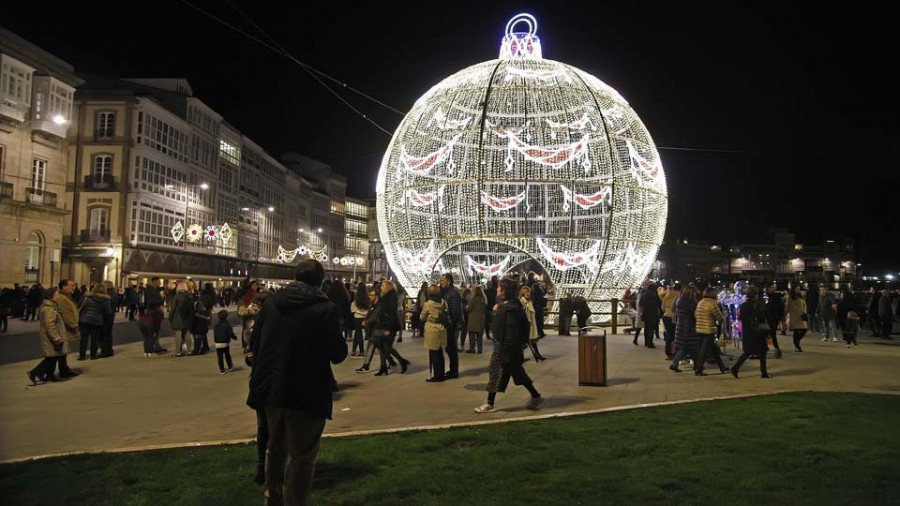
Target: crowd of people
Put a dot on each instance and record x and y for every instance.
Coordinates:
(694, 320)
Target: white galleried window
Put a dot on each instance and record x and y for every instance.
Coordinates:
(105, 126)
(101, 170)
(38, 173)
(99, 220)
(15, 82)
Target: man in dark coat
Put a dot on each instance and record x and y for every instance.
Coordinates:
(454, 304)
(539, 303)
(490, 294)
(886, 313)
(566, 310)
(872, 311)
(774, 316)
(296, 337)
(651, 307)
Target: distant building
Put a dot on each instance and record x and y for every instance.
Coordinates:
(36, 99)
(783, 259)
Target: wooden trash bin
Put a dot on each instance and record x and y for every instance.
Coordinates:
(592, 360)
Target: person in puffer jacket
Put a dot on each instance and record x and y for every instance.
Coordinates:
(708, 316)
(95, 312)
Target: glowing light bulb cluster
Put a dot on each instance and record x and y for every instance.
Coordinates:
(523, 159)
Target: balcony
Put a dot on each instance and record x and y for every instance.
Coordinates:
(40, 197)
(101, 235)
(98, 182)
(32, 275)
(6, 190)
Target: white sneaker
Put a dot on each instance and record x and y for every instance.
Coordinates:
(833, 339)
(824, 339)
(484, 408)
(848, 346)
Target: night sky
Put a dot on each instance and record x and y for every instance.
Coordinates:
(804, 99)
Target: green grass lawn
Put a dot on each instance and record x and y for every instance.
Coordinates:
(804, 448)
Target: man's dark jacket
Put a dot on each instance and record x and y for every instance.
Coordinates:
(296, 338)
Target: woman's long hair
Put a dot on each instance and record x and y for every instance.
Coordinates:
(362, 297)
(478, 291)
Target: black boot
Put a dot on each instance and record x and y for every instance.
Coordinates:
(260, 474)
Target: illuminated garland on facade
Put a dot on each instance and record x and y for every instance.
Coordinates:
(529, 160)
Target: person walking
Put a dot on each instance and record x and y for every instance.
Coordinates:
(385, 325)
(451, 296)
(181, 318)
(686, 340)
(223, 334)
(435, 333)
(295, 339)
(475, 310)
(371, 342)
(95, 310)
(668, 306)
(827, 313)
(650, 312)
(798, 317)
(510, 334)
(754, 322)
(52, 338)
(538, 301)
(775, 316)
(708, 317)
(69, 312)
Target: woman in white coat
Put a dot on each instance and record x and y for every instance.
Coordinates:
(525, 299)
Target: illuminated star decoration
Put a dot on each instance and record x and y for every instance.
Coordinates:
(212, 233)
(195, 233)
(177, 231)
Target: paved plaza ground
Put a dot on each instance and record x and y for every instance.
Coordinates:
(129, 401)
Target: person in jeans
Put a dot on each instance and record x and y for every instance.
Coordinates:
(668, 306)
(754, 325)
(223, 334)
(385, 323)
(148, 324)
(360, 309)
(95, 310)
(708, 317)
(510, 334)
(828, 315)
(295, 339)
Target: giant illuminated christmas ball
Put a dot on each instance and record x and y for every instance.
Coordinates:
(517, 159)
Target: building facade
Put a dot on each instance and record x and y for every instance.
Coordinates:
(36, 112)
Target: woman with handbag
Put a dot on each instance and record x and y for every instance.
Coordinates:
(525, 300)
(435, 333)
(798, 317)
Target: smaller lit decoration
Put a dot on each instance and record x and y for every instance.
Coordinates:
(566, 261)
(212, 233)
(550, 157)
(579, 125)
(500, 203)
(488, 270)
(285, 256)
(336, 260)
(420, 199)
(423, 164)
(421, 261)
(351, 261)
(195, 233)
(444, 123)
(225, 233)
(585, 201)
(177, 231)
(645, 173)
(521, 44)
